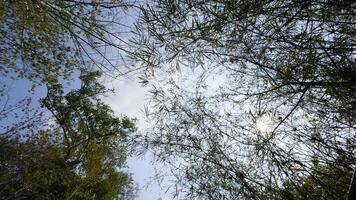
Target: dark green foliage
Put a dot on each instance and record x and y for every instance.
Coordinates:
(79, 158)
(324, 182)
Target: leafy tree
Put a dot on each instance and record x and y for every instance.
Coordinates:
(322, 183)
(40, 39)
(79, 151)
(249, 93)
(78, 157)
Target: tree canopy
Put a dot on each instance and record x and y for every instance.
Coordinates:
(74, 147)
(250, 94)
(40, 39)
(251, 99)
(79, 156)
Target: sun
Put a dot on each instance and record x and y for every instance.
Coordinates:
(263, 124)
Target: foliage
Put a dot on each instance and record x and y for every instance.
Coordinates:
(79, 151)
(247, 93)
(78, 157)
(41, 39)
(320, 184)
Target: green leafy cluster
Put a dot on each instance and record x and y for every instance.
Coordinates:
(80, 158)
(42, 39)
(324, 182)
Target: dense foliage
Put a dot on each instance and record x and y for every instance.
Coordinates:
(77, 157)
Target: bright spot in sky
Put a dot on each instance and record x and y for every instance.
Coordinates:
(263, 124)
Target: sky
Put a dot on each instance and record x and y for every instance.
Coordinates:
(129, 99)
